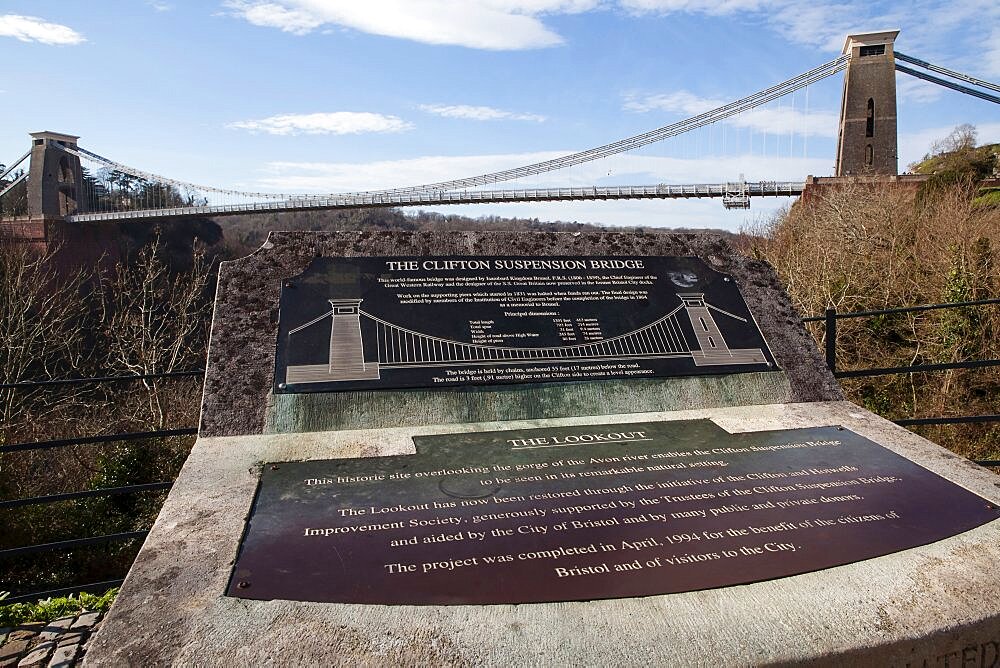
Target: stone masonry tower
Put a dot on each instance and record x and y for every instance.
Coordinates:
(55, 179)
(55, 190)
(866, 142)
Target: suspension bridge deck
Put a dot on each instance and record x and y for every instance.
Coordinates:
(659, 191)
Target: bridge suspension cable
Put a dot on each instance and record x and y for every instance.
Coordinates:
(10, 169)
(948, 84)
(942, 70)
(17, 178)
(399, 347)
(10, 186)
(148, 176)
(628, 144)
(638, 141)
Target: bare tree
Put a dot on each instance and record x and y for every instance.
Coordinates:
(869, 245)
(963, 137)
(41, 313)
(155, 319)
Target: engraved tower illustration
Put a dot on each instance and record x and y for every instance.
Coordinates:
(714, 349)
(347, 352)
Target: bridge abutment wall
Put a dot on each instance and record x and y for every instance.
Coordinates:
(25, 230)
(818, 187)
(71, 246)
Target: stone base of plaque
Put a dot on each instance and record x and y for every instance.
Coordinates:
(933, 605)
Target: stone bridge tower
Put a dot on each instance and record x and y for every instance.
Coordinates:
(55, 181)
(866, 142)
(55, 189)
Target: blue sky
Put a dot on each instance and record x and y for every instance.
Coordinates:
(334, 95)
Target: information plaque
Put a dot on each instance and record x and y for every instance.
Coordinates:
(398, 322)
(587, 512)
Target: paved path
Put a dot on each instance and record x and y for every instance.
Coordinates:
(58, 644)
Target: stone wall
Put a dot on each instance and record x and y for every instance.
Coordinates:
(238, 400)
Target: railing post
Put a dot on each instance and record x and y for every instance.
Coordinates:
(831, 339)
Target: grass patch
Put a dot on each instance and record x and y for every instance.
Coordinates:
(987, 198)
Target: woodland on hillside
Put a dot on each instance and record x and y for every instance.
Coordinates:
(864, 246)
(142, 316)
(245, 234)
(872, 246)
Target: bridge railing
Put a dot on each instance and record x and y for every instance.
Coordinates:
(829, 320)
(377, 199)
(62, 548)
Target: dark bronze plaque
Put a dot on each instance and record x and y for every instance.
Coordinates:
(588, 512)
(397, 322)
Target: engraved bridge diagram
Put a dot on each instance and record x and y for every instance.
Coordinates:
(393, 347)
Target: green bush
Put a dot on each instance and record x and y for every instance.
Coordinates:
(987, 199)
(49, 609)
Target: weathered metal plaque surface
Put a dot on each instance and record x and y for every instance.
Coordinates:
(588, 512)
(397, 322)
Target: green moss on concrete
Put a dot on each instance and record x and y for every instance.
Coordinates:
(330, 411)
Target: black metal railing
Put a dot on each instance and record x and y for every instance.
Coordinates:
(27, 384)
(89, 440)
(830, 318)
(85, 541)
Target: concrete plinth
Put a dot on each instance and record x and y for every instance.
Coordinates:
(934, 605)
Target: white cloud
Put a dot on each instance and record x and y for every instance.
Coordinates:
(488, 24)
(786, 120)
(519, 24)
(817, 23)
(325, 177)
(473, 113)
(159, 5)
(930, 28)
(824, 25)
(928, 25)
(772, 119)
(275, 15)
(331, 123)
(681, 101)
(954, 34)
(34, 29)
